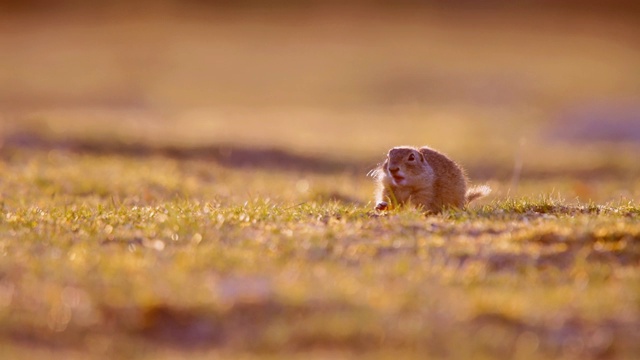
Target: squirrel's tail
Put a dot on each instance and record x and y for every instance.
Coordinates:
(477, 192)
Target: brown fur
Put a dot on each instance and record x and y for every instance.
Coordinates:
(424, 178)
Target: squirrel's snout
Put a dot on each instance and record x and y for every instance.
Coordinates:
(394, 169)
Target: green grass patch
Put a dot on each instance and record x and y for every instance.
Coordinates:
(165, 251)
(516, 278)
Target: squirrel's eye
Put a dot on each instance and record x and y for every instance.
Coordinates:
(411, 157)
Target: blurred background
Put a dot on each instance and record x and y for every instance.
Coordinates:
(514, 90)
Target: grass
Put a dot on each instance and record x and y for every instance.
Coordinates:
(117, 256)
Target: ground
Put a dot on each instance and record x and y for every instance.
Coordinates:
(168, 251)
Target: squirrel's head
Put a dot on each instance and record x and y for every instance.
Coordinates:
(404, 165)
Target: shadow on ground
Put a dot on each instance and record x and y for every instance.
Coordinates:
(225, 155)
(233, 156)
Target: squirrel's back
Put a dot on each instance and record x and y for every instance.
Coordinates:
(450, 181)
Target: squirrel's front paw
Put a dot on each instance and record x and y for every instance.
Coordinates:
(382, 206)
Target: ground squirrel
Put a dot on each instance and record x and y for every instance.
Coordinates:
(424, 178)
